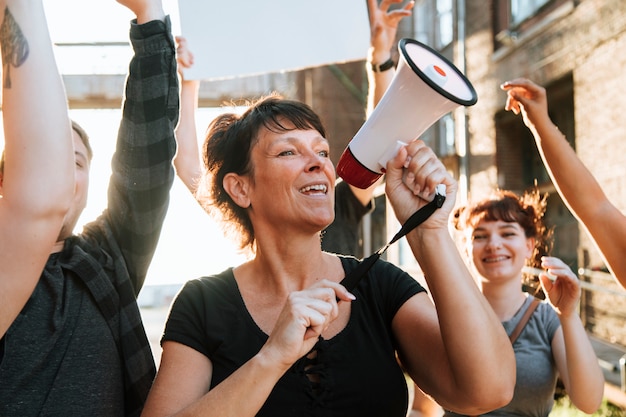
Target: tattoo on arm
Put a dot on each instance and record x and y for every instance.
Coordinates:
(14, 46)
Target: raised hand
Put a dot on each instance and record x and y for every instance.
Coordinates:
(564, 292)
(526, 98)
(384, 23)
(184, 57)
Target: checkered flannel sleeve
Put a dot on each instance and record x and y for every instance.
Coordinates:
(142, 164)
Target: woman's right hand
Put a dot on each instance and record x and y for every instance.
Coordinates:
(526, 98)
(305, 315)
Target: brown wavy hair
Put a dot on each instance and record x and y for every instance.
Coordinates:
(526, 210)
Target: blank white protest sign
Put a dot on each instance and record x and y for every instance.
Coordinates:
(235, 38)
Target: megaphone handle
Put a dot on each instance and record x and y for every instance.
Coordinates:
(351, 280)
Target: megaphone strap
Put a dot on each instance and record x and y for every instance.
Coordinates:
(353, 277)
(419, 217)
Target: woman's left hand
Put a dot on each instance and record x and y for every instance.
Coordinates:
(411, 180)
(564, 292)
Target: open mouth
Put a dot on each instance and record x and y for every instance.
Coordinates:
(314, 189)
(497, 259)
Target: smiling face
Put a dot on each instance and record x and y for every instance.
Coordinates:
(255, 160)
(498, 250)
(292, 184)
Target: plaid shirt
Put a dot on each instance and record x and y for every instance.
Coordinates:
(113, 253)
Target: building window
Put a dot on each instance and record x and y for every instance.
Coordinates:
(445, 24)
(512, 18)
(520, 166)
(434, 23)
(440, 137)
(523, 9)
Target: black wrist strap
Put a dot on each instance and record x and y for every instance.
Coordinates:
(352, 279)
(388, 64)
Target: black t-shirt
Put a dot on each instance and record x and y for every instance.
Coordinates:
(357, 369)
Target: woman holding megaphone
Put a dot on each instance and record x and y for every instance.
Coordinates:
(279, 334)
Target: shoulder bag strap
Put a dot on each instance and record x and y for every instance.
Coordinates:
(520, 326)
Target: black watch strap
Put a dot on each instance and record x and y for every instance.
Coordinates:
(388, 64)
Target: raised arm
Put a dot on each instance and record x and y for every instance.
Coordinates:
(37, 181)
(383, 29)
(187, 159)
(579, 189)
(575, 358)
(142, 171)
(435, 343)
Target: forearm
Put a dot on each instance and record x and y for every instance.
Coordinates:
(38, 177)
(583, 195)
(469, 327)
(142, 172)
(39, 152)
(567, 171)
(187, 159)
(254, 381)
(585, 381)
(148, 11)
(378, 82)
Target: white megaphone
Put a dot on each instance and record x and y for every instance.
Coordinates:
(425, 87)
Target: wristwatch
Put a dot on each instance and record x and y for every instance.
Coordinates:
(388, 64)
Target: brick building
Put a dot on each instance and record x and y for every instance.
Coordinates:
(576, 49)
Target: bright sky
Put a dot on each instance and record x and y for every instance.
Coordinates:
(191, 244)
(95, 20)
